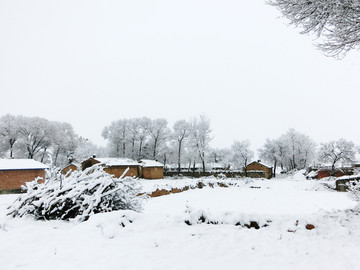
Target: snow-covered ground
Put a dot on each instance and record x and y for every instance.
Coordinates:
(159, 238)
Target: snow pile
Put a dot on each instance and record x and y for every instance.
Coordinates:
(170, 183)
(78, 196)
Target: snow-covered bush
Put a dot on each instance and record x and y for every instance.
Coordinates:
(354, 188)
(78, 196)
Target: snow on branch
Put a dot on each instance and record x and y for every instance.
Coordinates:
(78, 196)
(336, 22)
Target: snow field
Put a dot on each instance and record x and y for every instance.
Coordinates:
(158, 238)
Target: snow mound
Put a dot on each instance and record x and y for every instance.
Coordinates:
(78, 196)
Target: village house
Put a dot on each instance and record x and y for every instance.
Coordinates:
(322, 171)
(147, 169)
(151, 169)
(115, 166)
(71, 168)
(14, 173)
(257, 169)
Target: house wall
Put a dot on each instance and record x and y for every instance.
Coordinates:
(117, 171)
(327, 173)
(14, 179)
(259, 167)
(153, 173)
(68, 168)
(88, 163)
(257, 174)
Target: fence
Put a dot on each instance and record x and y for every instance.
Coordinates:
(197, 174)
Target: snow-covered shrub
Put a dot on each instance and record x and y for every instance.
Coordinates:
(78, 196)
(354, 188)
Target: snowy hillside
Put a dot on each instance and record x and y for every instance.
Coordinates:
(203, 228)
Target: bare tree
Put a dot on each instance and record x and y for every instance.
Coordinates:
(181, 130)
(85, 149)
(271, 152)
(336, 151)
(200, 137)
(133, 135)
(116, 134)
(335, 22)
(36, 135)
(143, 134)
(241, 154)
(159, 132)
(298, 150)
(9, 132)
(64, 141)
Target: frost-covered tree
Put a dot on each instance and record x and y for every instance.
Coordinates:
(271, 152)
(299, 149)
(116, 134)
(36, 135)
(292, 150)
(337, 151)
(241, 154)
(133, 135)
(9, 132)
(159, 134)
(143, 134)
(200, 137)
(85, 149)
(181, 131)
(335, 22)
(221, 156)
(64, 142)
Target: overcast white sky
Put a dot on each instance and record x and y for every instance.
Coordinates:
(92, 62)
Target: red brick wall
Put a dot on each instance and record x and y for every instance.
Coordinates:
(327, 173)
(259, 167)
(71, 167)
(117, 171)
(153, 173)
(14, 179)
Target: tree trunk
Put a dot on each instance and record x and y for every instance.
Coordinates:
(155, 146)
(56, 156)
(43, 155)
(11, 151)
(275, 169)
(179, 157)
(140, 149)
(133, 149)
(333, 169)
(203, 165)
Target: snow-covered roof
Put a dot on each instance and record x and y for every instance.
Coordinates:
(118, 161)
(21, 164)
(261, 163)
(76, 164)
(150, 163)
(349, 177)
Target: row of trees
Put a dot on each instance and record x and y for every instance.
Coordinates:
(41, 139)
(144, 138)
(294, 150)
(185, 143)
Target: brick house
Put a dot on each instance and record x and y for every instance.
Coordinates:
(71, 167)
(258, 170)
(14, 173)
(339, 172)
(115, 166)
(151, 169)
